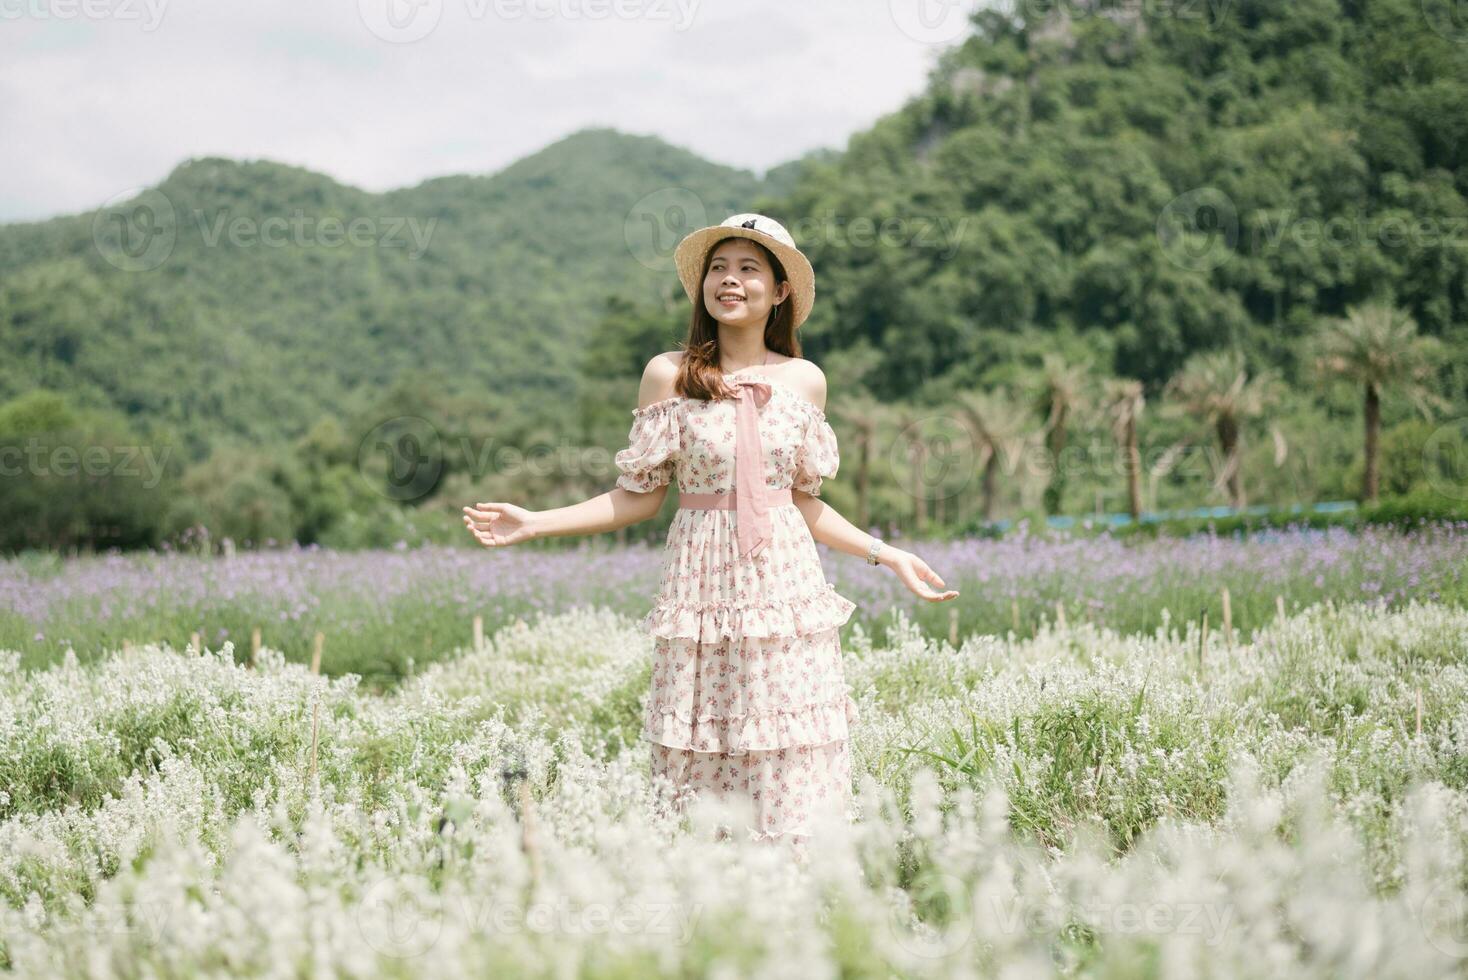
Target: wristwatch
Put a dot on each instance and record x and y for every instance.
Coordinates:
(872, 551)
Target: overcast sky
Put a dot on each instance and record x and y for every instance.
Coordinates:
(99, 97)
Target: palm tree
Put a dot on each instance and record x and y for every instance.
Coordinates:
(1063, 393)
(1215, 387)
(1124, 403)
(863, 415)
(1377, 347)
(1000, 424)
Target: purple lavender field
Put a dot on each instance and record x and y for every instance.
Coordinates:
(385, 612)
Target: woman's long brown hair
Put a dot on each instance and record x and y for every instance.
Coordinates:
(698, 374)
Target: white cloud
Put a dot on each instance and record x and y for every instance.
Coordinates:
(91, 105)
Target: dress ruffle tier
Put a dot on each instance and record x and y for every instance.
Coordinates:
(709, 622)
(781, 728)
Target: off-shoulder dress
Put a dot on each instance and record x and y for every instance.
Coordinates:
(748, 693)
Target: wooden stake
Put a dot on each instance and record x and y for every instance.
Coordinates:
(478, 632)
(316, 653)
(1228, 620)
(953, 626)
(254, 647)
(1419, 712)
(315, 727)
(1279, 606)
(1014, 614)
(197, 644)
(1203, 642)
(528, 842)
(1060, 614)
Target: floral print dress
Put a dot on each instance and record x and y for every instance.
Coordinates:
(748, 695)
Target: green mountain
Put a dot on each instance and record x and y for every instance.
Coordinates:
(243, 301)
(1126, 184)
(1144, 181)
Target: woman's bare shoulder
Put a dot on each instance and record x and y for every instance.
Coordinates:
(806, 378)
(658, 377)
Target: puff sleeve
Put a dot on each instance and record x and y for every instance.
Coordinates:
(651, 455)
(817, 456)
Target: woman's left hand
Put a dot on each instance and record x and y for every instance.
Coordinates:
(915, 574)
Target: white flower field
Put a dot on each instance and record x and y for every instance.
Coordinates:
(1291, 802)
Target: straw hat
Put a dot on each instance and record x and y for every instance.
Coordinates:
(692, 250)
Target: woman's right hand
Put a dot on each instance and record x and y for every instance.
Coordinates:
(497, 524)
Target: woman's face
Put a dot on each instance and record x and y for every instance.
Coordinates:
(740, 286)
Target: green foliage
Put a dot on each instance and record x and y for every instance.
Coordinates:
(1135, 186)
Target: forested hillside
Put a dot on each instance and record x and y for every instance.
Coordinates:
(228, 328)
(1125, 186)
(1205, 175)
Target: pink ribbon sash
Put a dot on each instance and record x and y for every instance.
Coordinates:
(752, 498)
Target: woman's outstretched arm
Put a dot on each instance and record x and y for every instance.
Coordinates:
(496, 523)
(828, 527)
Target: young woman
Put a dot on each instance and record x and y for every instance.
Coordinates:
(748, 697)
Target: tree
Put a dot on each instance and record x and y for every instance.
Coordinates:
(1376, 346)
(1124, 402)
(1063, 394)
(1000, 424)
(1215, 388)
